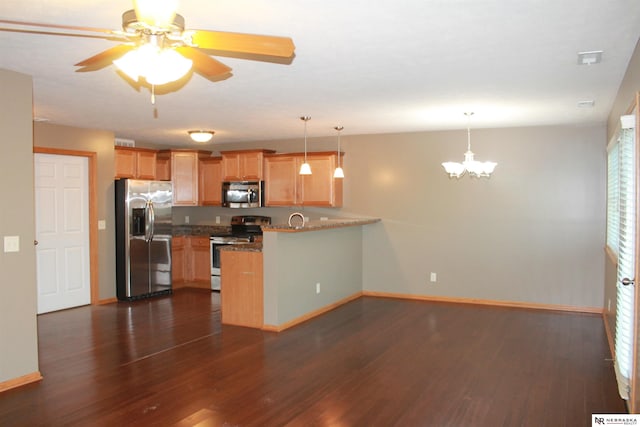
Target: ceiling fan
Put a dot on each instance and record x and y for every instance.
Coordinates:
(156, 48)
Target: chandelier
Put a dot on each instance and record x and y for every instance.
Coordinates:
(475, 168)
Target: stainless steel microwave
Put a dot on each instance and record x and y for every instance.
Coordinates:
(242, 194)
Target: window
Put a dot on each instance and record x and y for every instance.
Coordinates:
(621, 238)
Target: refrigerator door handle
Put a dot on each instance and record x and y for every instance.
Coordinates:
(152, 221)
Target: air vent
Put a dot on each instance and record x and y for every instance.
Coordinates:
(121, 142)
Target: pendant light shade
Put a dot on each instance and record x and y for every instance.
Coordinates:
(305, 169)
(338, 173)
(475, 168)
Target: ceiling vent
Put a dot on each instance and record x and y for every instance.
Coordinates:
(590, 58)
(121, 142)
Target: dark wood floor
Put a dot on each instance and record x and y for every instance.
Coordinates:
(372, 362)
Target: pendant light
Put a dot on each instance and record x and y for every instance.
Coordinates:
(475, 168)
(305, 169)
(338, 173)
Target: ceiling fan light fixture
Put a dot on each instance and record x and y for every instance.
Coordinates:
(158, 66)
(156, 13)
(201, 135)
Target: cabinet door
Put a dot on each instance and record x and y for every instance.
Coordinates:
(184, 174)
(231, 167)
(210, 182)
(281, 180)
(163, 168)
(241, 295)
(125, 163)
(319, 188)
(200, 259)
(177, 260)
(145, 165)
(251, 166)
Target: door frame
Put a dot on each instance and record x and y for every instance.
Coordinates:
(93, 211)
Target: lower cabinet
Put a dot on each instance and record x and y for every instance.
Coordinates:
(191, 262)
(242, 295)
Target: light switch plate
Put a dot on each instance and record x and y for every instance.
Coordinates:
(12, 243)
(102, 225)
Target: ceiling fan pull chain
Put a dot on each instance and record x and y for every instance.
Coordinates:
(153, 94)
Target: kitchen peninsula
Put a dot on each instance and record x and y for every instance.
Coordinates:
(303, 271)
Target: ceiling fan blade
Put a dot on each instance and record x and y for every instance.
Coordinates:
(245, 43)
(55, 26)
(105, 57)
(203, 64)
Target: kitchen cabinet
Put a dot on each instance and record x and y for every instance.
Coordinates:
(163, 166)
(244, 165)
(138, 163)
(242, 295)
(284, 186)
(184, 175)
(210, 186)
(191, 262)
(178, 244)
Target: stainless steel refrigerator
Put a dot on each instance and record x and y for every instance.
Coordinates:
(143, 238)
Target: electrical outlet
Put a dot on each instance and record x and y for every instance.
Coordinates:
(186, 219)
(217, 220)
(433, 277)
(317, 288)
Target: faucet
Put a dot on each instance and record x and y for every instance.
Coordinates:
(293, 215)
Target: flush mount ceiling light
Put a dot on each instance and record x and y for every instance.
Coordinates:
(338, 173)
(201, 135)
(305, 169)
(475, 168)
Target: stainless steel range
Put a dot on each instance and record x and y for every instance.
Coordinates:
(244, 229)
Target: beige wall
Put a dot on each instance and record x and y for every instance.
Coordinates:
(533, 233)
(100, 142)
(18, 327)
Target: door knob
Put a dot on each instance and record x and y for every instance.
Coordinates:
(626, 281)
(35, 243)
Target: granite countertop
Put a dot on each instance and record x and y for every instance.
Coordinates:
(199, 230)
(243, 247)
(320, 225)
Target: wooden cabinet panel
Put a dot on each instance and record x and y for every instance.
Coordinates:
(245, 165)
(321, 188)
(200, 262)
(281, 180)
(125, 163)
(211, 181)
(242, 295)
(191, 261)
(185, 176)
(177, 260)
(163, 167)
(184, 167)
(285, 187)
(146, 164)
(138, 163)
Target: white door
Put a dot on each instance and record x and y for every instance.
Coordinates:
(62, 231)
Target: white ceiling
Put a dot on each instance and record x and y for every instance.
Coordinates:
(374, 67)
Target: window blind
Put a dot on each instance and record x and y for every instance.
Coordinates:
(613, 195)
(626, 260)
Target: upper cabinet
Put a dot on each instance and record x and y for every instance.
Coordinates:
(244, 165)
(185, 165)
(210, 185)
(285, 187)
(138, 163)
